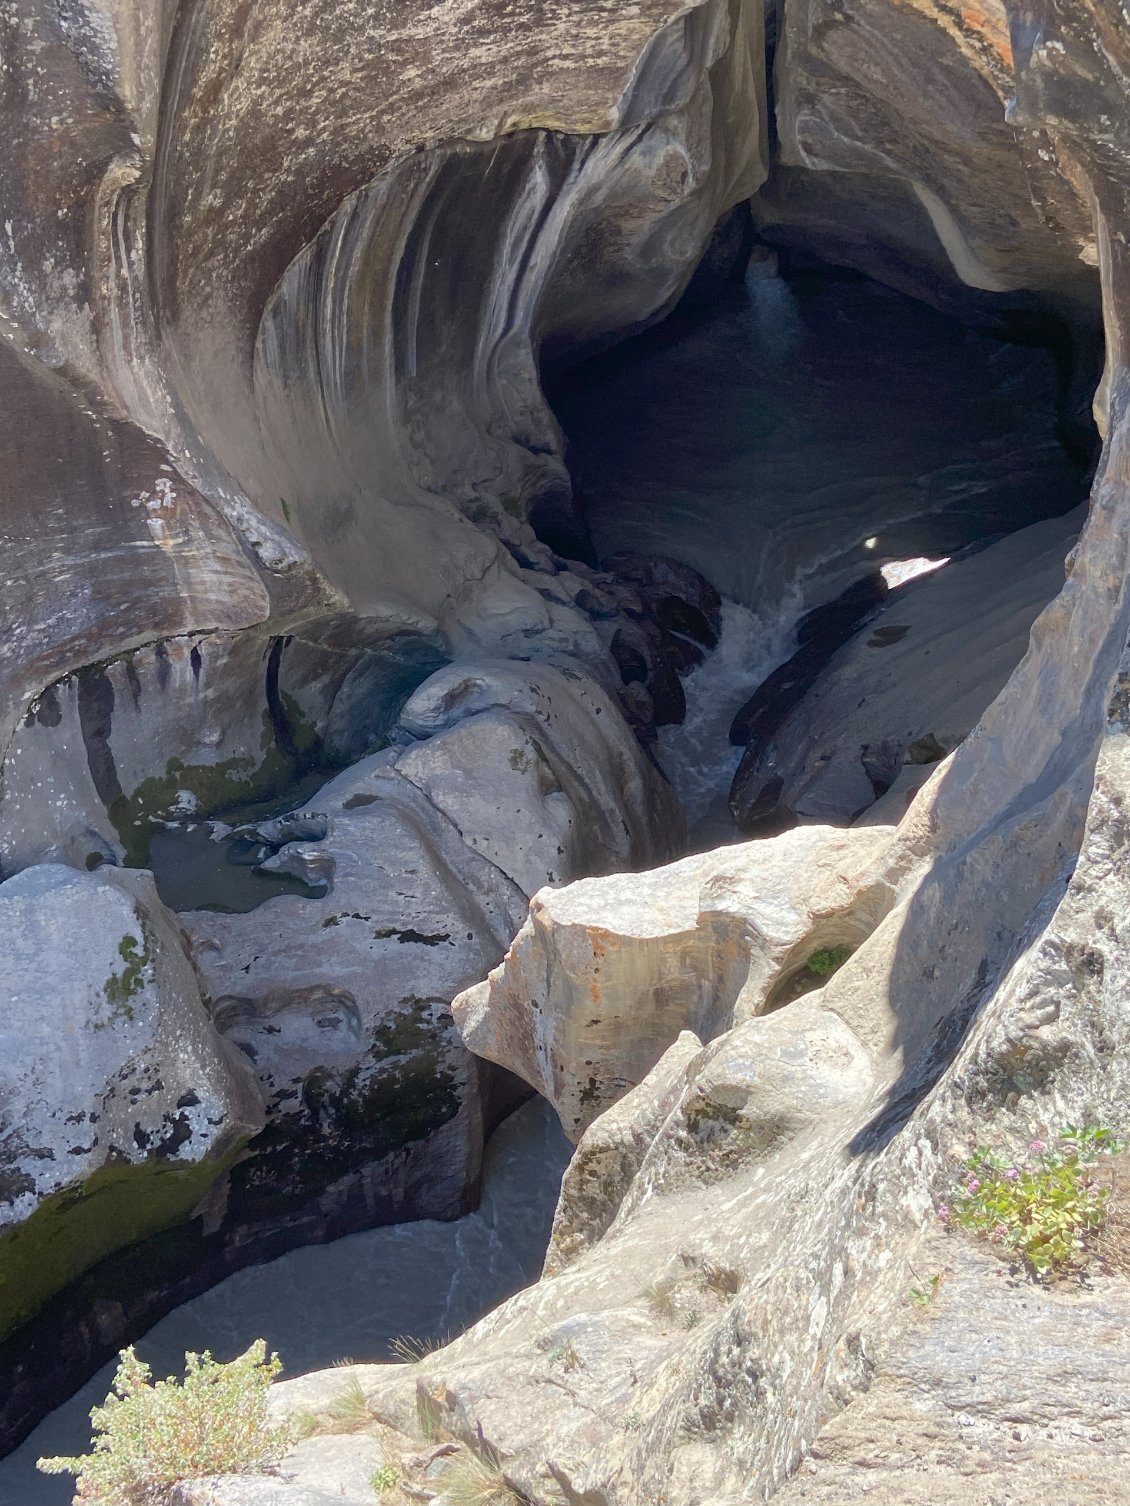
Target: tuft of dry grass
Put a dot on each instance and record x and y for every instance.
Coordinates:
(1110, 1243)
(660, 1298)
(722, 1280)
(408, 1350)
(348, 1412)
(475, 1477)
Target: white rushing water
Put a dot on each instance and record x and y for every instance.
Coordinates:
(349, 1299)
(697, 756)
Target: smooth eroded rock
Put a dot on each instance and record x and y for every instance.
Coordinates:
(120, 1105)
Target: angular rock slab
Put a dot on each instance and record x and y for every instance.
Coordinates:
(920, 673)
(119, 1103)
(605, 973)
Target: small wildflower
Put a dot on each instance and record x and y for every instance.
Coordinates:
(1037, 1147)
(943, 1211)
(1012, 1175)
(972, 1184)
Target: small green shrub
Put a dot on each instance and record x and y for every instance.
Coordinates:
(148, 1435)
(827, 960)
(386, 1478)
(1042, 1213)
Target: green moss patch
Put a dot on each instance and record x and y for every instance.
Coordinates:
(74, 1229)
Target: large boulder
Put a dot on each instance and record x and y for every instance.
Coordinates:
(605, 973)
(419, 861)
(120, 1105)
(770, 1256)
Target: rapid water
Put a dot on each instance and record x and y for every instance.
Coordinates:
(805, 432)
(696, 755)
(347, 1300)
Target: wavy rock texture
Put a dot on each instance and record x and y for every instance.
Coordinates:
(989, 1003)
(364, 390)
(191, 276)
(916, 103)
(428, 853)
(604, 974)
(275, 288)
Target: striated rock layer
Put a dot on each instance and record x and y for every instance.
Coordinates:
(737, 1269)
(275, 289)
(278, 440)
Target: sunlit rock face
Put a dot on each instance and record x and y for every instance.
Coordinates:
(201, 246)
(605, 974)
(274, 285)
(275, 288)
(273, 358)
(988, 1003)
(918, 104)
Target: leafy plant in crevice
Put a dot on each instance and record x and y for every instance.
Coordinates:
(385, 1479)
(149, 1435)
(1043, 1212)
(923, 1294)
(827, 960)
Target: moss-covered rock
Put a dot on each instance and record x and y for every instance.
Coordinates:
(125, 1103)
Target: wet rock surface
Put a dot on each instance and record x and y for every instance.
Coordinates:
(121, 1102)
(904, 691)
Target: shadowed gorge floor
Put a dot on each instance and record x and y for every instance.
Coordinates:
(808, 429)
(802, 433)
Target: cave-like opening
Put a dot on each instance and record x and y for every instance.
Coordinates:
(806, 429)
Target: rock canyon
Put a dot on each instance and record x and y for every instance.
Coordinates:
(571, 548)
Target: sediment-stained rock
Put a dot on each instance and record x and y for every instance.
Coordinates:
(120, 1105)
(604, 974)
(758, 1276)
(916, 103)
(420, 860)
